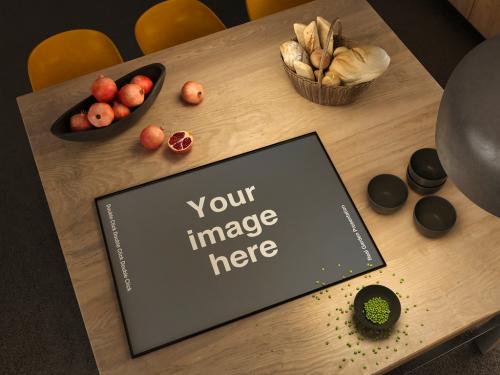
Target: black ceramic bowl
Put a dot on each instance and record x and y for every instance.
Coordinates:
(426, 169)
(383, 292)
(387, 193)
(422, 190)
(61, 129)
(434, 216)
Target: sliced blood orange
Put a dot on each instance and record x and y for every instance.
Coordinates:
(180, 141)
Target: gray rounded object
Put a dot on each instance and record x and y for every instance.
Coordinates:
(468, 126)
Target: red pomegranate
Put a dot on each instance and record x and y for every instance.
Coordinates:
(192, 92)
(104, 89)
(79, 122)
(144, 82)
(152, 137)
(131, 95)
(120, 110)
(100, 114)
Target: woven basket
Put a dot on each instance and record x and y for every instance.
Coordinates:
(327, 95)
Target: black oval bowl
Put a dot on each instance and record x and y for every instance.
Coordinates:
(387, 193)
(434, 216)
(383, 292)
(417, 188)
(156, 72)
(423, 181)
(426, 169)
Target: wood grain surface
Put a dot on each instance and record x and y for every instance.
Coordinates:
(250, 103)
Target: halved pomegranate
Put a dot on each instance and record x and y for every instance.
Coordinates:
(180, 141)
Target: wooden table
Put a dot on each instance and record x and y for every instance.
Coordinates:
(250, 103)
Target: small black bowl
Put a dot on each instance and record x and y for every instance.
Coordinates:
(383, 292)
(417, 188)
(61, 129)
(387, 193)
(434, 216)
(426, 169)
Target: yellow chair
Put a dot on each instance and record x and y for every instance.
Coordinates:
(261, 8)
(173, 22)
(70, 54)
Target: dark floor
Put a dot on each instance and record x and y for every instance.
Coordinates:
(41, 330)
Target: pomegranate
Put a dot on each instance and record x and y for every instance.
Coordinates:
(120, 110)
(152, 137)
(100, 114)
(131, 95)
(79, 122)
(181, 141)
(104, 89)
(144, 82)
(192, 92)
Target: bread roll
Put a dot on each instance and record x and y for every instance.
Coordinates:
(311, 37)
(323, 28)
(315, 59)
(316, 74)
(359, 64)
(304, 70)
(292, 51)
(299, 33)
(330, 79)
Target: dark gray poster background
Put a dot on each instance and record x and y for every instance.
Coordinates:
(174, 291)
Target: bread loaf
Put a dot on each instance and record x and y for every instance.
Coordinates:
(299, 33)
(304, 70)
(359, 64)
(311, 37)
(323, 28)
(292, 51)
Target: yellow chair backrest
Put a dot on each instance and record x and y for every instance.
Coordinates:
(70, 54)
(261, 8)
(173, 22)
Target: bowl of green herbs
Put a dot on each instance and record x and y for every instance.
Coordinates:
(376, 307)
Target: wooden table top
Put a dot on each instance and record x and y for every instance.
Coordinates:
(451, 283)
